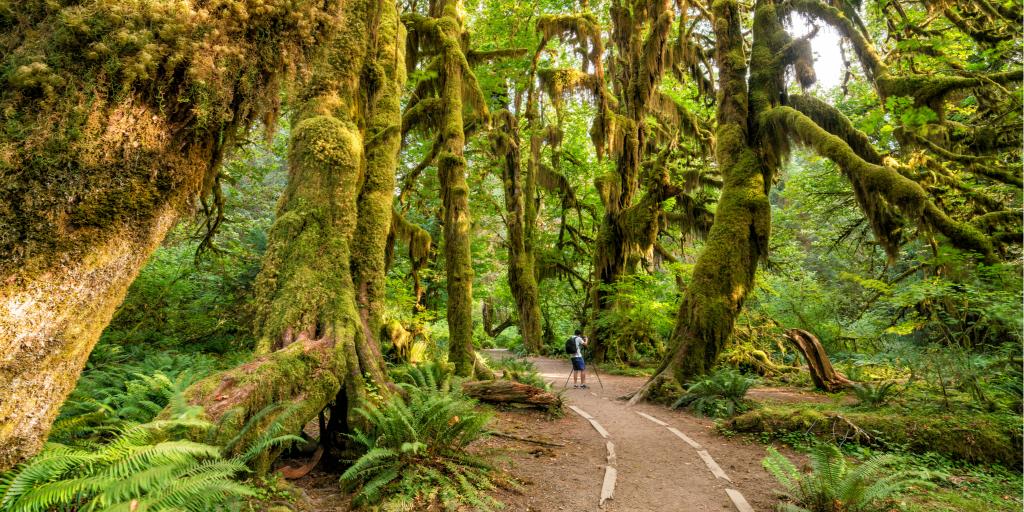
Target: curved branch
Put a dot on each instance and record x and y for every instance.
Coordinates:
(885, 182)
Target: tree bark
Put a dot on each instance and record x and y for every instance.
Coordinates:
(522, 275)
(639, 37)
(451, 169)
(320, 285)
(103, 162)
(724, 272)
(823, 375)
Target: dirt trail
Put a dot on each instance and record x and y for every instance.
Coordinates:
(656, 470)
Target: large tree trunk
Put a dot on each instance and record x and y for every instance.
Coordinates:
(318, 292)
(724, 272)
(639, 37)
(451, 169)
(522, 275)
(104, 151)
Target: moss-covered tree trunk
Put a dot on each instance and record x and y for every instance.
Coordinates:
(755, 131)
(451, 169)
(519, 218)
(319, 291)
(639, 37)
(724, 272)
(116, 117)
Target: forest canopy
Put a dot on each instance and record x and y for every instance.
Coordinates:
(249, 218)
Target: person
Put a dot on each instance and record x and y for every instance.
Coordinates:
(578, 366)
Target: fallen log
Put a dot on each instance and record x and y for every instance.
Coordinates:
(503, 391)
(824, 376)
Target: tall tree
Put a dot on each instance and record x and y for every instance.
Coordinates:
(758, 121)
(634, 192)
(116, 115)
(319, 293)
(520, 220)
(442, 36)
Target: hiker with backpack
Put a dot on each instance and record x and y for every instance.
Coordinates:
(574, 348)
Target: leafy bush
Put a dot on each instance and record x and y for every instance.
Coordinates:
(835, 486)
(718, 395)
(634, 329)
(520, 370)
(416, 454)
(144, 467)
(874, 394)
(434, 376)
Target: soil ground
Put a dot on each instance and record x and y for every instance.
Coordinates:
(657, 471)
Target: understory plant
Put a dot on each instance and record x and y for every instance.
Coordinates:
(520, 370)
(415, 454)
(874, 394)
(152, 466)
(833, 485)
(718, 395)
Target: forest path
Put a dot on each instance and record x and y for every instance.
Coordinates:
(655, 469)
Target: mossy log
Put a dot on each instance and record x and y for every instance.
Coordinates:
(976, 438)
(823, 375)
(502, 391)
(116, 117)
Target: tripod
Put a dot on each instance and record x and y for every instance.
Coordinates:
(598, 375)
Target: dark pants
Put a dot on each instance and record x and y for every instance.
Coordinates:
(577, 364)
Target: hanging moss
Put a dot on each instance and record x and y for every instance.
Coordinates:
(522, 273)
(318, 295)
(879, 181)
(116, 115)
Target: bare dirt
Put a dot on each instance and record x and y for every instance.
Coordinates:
(657, 471)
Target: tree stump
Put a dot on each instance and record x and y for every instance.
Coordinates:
(824, 376)
(503, 391)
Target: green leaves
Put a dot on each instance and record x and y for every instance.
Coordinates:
(416, 453)
(140, 468)
(835, 486)
(718, 395)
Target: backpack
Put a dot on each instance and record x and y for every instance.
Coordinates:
(570, 345)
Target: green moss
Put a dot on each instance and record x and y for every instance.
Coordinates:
(970, 436)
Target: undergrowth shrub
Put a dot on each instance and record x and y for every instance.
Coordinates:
(433, 376)
(874, 394)
(520, 370)
(152, 466)
(833, 485)
(718, 395)
(416, 456)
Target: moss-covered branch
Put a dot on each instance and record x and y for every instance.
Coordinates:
(878, 180)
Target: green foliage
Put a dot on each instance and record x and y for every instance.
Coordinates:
(186, 301)
(636, 328)
(718, 395)
(874, 394)
(520, 370)
(416, 454)
(432, 376)
(123, 385)
(151, 466)
(835, 486)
